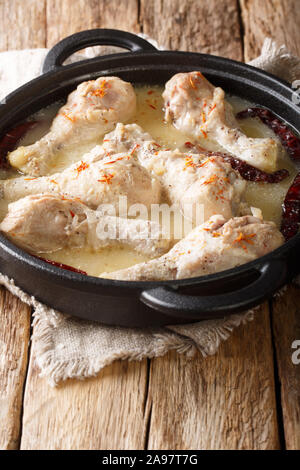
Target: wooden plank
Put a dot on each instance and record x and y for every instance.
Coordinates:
(209, 27)
(226, 401)
(22, 24)
(280, 21)
(241, 374)
(63, 19)
(277, 19)
(101, 397)
(106, 412)
(14, 339)
(286, 321)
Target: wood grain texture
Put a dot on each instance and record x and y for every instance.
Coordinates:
(64, 18)
(14, 340)
(226, 401)
(286, 323)
(68, 413)
(194, 25)
(217, 407)
(106, 412)
(280, 19)
(22, 24)
(277, 19)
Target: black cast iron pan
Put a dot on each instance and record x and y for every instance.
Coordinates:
(129, 303)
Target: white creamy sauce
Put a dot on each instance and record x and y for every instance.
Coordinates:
(150, 116)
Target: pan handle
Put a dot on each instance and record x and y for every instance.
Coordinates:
(272, 275)
(93, 37)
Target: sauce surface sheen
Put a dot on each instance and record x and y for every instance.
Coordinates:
(150, 116)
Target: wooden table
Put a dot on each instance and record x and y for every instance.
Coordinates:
(247, 396)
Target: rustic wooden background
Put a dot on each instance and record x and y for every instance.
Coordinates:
(247, 396)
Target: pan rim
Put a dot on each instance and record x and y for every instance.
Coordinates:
(59, 274)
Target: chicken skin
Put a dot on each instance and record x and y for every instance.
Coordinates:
(130, 138)
(82, 206)
(200, 186)
(102, 181)
(91, 110)
(47, 223)
(198, 108)
(214, 246)
(190, 180)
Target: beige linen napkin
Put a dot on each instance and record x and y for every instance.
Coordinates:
(65, 347)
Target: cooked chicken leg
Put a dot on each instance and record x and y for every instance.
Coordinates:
(190, 181)
(199, 185)
(99, 182)
(91, 110)
(211, 247)
(130, 138)
(45, 223)
(198, 108)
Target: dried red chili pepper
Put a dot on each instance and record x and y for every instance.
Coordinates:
(248, 172)
(288, 139)
(291, 210)
(11, 138)
(61, 265)
(189, 145)
(251, 173)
